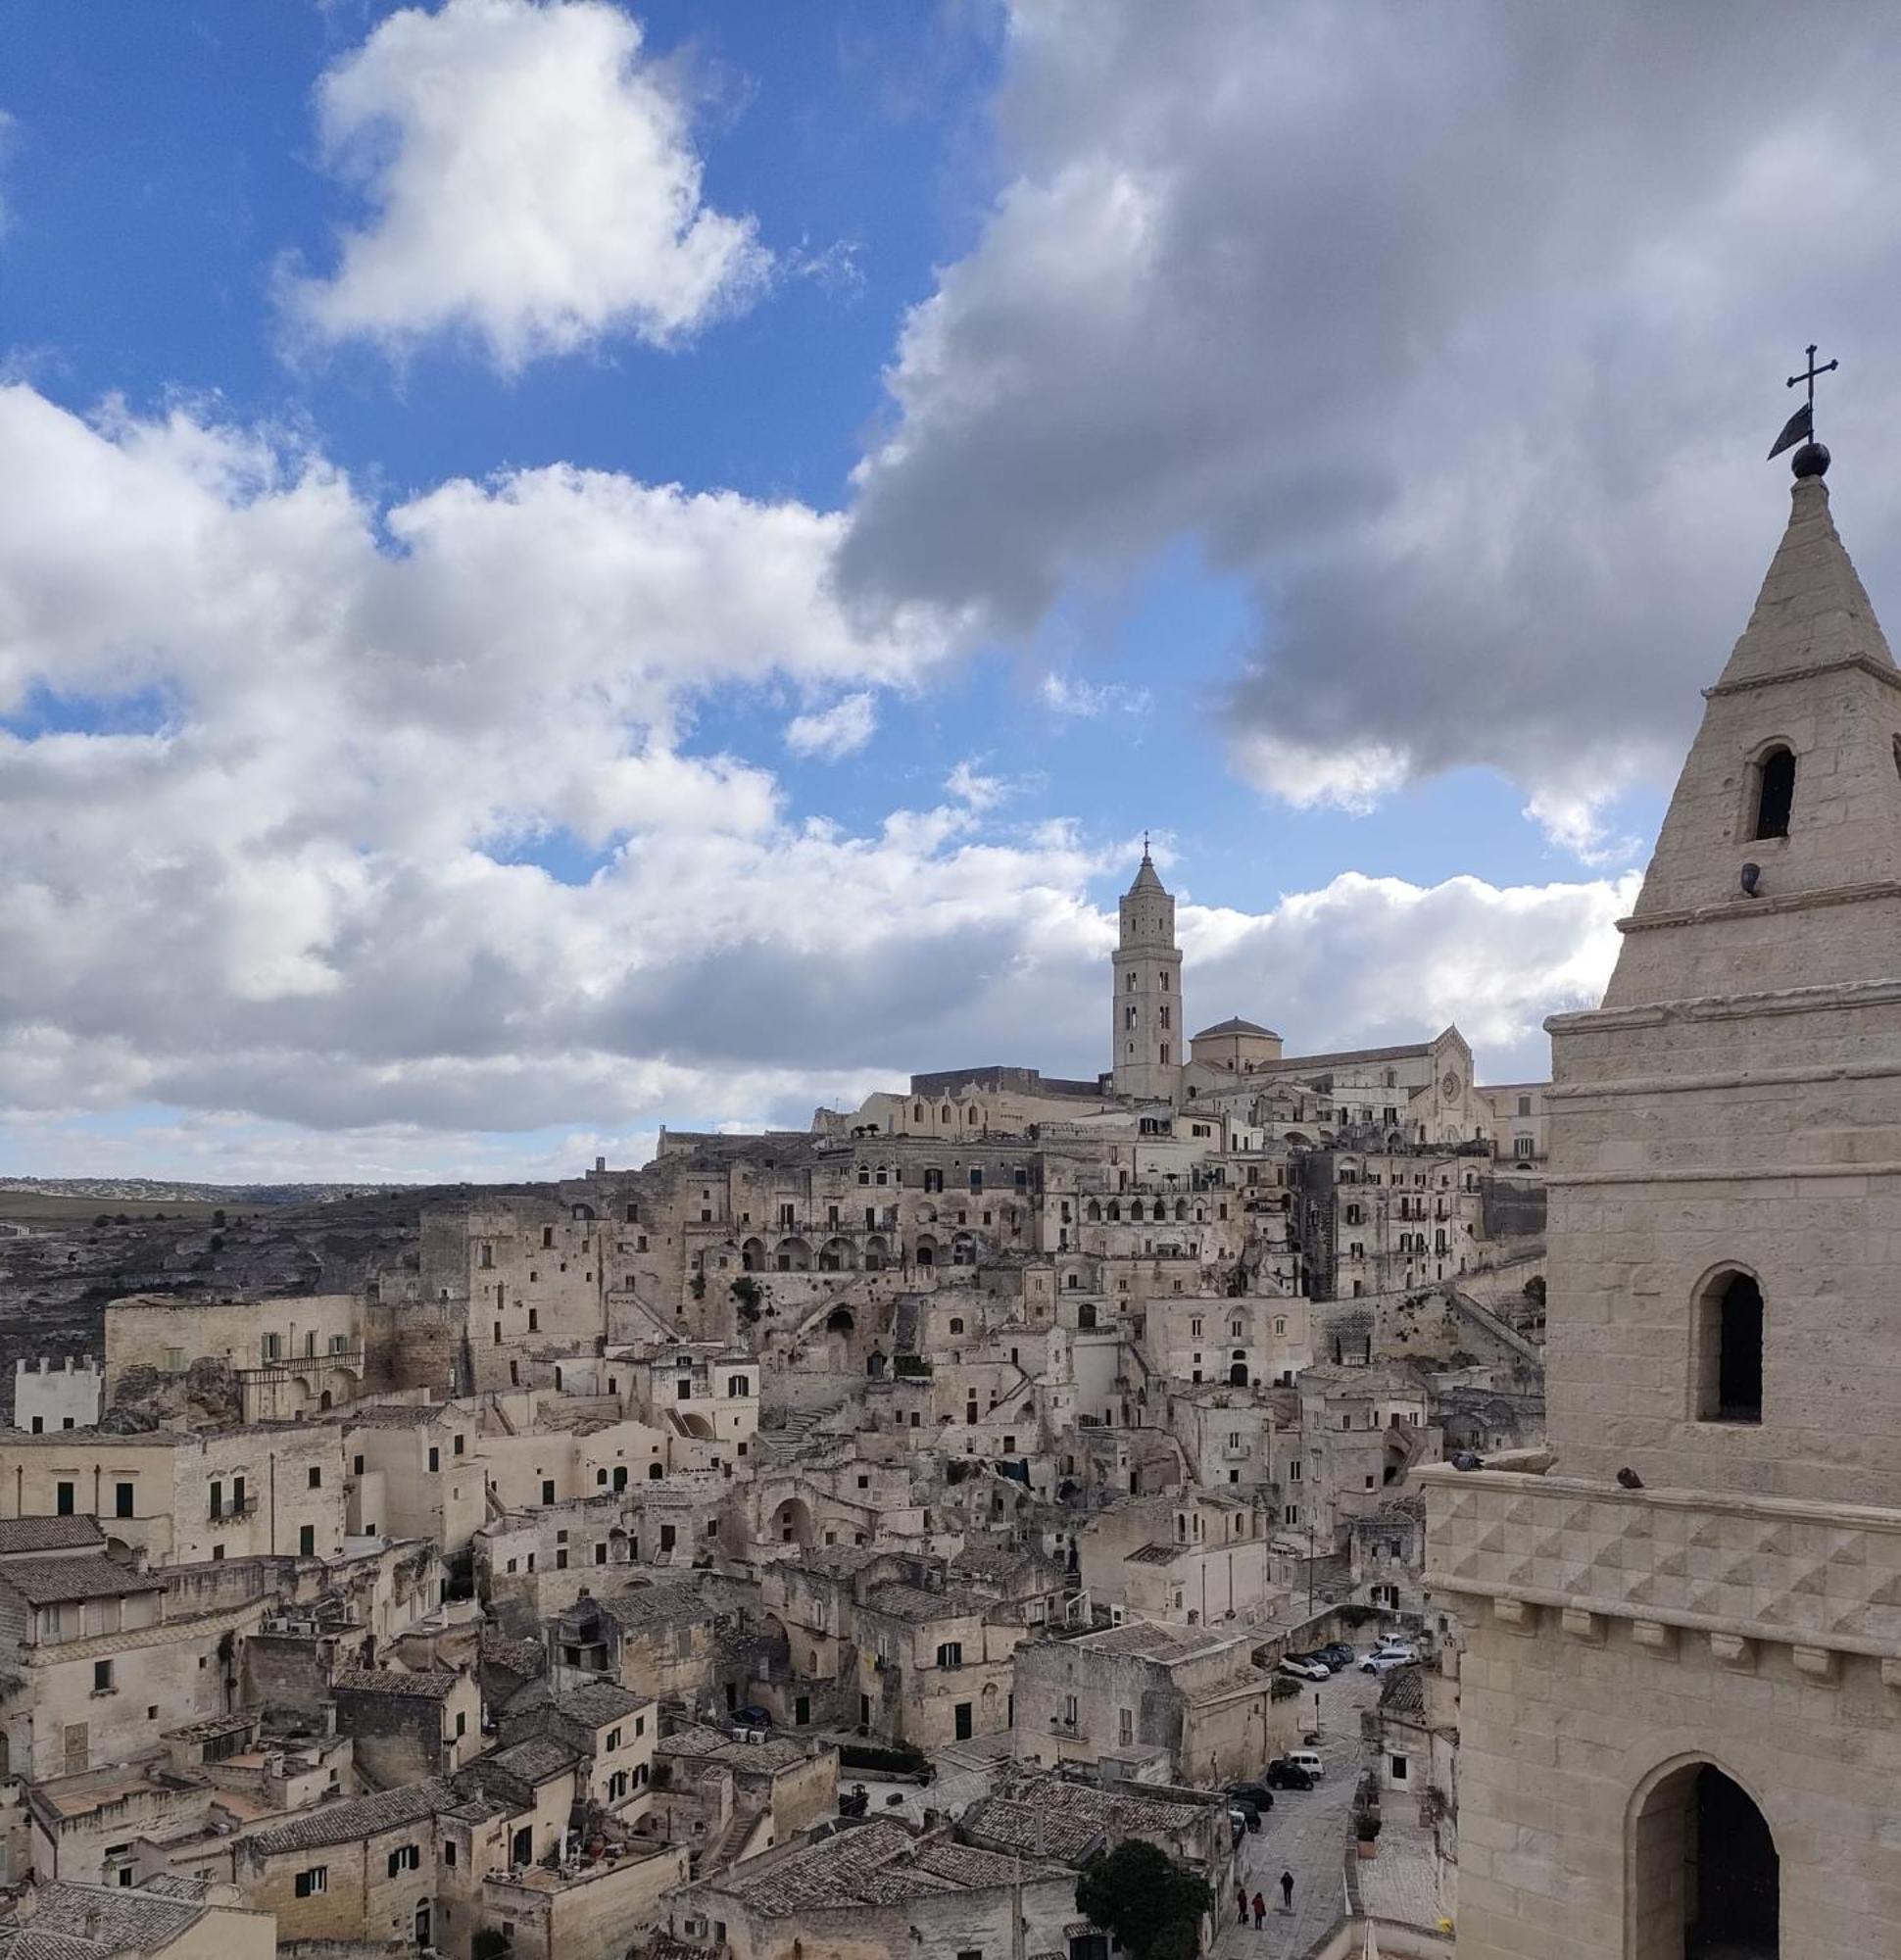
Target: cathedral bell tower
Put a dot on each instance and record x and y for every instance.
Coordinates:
(1148, 1038)
(1680, 1679)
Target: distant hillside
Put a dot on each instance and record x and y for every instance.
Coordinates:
(165, 1191)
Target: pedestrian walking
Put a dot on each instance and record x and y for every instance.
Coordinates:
(1241, 1905)
(1260, 1911)
(1286, 1892)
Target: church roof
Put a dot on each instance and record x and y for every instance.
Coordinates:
(1812, 608)
(1146, 879)
(1235, 1025)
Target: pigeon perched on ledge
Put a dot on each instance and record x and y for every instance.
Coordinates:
(1466, 1460)
(1629, 1478)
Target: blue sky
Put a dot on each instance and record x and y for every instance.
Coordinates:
(1027, 420)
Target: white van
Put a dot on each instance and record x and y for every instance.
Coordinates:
(1308, 1760)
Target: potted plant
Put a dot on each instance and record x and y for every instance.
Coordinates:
(1366, 1829)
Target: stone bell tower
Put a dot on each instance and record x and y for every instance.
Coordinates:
(1148, 1039)
(1680, 1685)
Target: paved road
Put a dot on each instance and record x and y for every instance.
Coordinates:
(1306, 1834)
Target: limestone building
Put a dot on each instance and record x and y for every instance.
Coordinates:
(1680, 1719)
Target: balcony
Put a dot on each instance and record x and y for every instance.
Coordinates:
(1824, 1578)
(231, 1509)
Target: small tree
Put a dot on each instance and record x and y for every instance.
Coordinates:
(1150, 1903)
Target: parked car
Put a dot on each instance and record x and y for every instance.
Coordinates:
(1337, 1654)
(1308, 1760)
(1304, 1670)
(1382, 1660)
(1256, 1794)
(752, 1716)
(1316, 1659)
(1284, 1775)
(1249, 1813)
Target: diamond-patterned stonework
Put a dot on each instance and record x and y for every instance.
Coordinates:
(1764, 1568)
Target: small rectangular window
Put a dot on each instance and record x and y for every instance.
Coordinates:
(316, 1880)
(102, 1677)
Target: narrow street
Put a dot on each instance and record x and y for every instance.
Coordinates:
(1306, 1834)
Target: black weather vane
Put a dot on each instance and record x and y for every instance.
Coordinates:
(1811, 459)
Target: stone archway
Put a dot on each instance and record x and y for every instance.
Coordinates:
(1704, 1875)
(791, 1523)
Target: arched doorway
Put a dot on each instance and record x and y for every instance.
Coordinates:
(751, 1255)
(791, 1523)
(1238, 1375)
(1705, 1877)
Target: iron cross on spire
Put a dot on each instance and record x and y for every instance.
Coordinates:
(1811, 459)
(1827, 368)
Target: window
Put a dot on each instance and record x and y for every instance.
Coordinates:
(356, 1466)
(122, 1500)
(405, 1858)
(102, 1677)
(317, 1879)
(950, 1654)
(63, 1498)
(448, 1853)
(738, 1386)
(1729, 1349)
(307, 1541)
(435, 1459)
(316, 1477)
(1775, 783)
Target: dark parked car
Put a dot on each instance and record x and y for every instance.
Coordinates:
(752, 1716)
(1250, 1811)
(1256, 1794)
(1284, 1775)
(1336, 1653)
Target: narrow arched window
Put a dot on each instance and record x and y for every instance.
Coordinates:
(1774, 793)
(1729, 1349)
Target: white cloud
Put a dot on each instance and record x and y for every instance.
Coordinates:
(967, 783)
(829, 733)
(279, 901)
(1351, 777)
(530, 179)
(1067, 695)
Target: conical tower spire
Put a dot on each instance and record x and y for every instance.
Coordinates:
(1812, 608)
(1790, 797)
